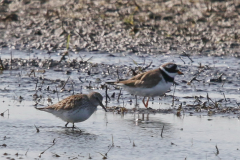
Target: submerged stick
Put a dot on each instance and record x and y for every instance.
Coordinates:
(2, 114)
(65, 84)
(106, 96)
(73, 88)
(57, 93)
(26, 152)
(224, 97)
(47, 148)
(119, 95)
(37, 128)
(11, 61)
(187, 55)
(134, 144)
(173, 94)
(162, 131)
(118, 75)
(217, 150)
(36, 86)
(182, 59)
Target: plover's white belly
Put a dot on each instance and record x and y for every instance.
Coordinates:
(157, 90)
(76, 115)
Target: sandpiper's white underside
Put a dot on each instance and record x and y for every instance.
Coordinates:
(74, 115)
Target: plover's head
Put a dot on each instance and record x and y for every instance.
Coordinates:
(170, 69)
(96, 99)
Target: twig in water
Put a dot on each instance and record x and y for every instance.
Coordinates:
(147, 66)
(57, 93)
(179, 110)
(182, 59)
(11, 60)
(2, 114)
(89, 59)
(73, 88)
(32, 71)
(104, 157)
(208, 98)
(47, 148)
(237, 105)
(162, 131)
(63, 57)
(118, 75)
(112, 141)
(223, 83)
(119, 95)
(37, 128)
(109, 149)
(129, 139)
(134, 144)
(107, 97)
(113, 95)
(1, 65)
(173, 94)
(65, 84)
(224, 97)
(36, 86)
(193, 79)
(187, 55)
(217, 150)
(199, 72)
(26, 152)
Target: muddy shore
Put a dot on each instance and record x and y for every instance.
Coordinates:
(140, 27)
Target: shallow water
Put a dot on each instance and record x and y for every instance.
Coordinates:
(190, 137)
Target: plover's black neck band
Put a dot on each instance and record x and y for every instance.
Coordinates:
(166, 76)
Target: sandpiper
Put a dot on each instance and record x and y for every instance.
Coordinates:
(76, 108)
(152, 83)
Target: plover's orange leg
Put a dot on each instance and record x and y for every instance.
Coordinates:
(144, 101)
(145, 104)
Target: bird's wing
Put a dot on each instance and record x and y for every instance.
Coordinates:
(146, 80)
(69, 102)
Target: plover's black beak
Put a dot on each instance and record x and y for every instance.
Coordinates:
(179, 72)
(102, 106)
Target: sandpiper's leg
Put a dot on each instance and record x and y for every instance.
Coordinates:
(73, 126)
(66, 124)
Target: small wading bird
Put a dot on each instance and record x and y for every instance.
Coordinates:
(76, 108)
(151, 83)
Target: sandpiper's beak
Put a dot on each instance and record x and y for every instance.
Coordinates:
(102, 106)
(179, 72)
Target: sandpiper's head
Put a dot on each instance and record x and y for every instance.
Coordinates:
(170, 69)
(96, 98)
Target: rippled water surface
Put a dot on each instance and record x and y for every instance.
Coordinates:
(191, 137)
(128, 136)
